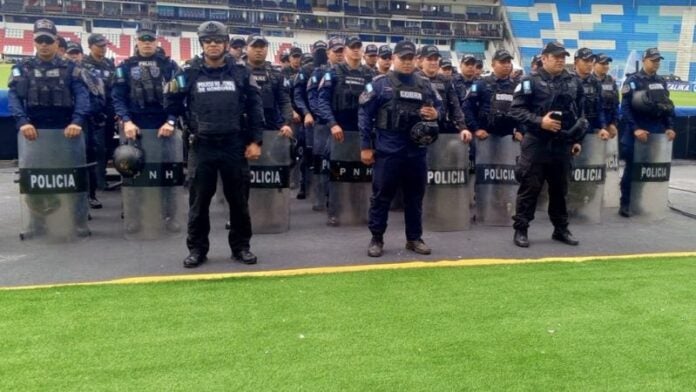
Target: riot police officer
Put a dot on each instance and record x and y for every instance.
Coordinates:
(646, 109)
(610, 92)
(384, 61)
(592, 110)
(74, 52)
(446, 67)
(370, 56)
(487, 104)
(338, 99)
(46, 94)
(101, 124)
(548, 104)
(535, 64)
(465, 78)
(391, 106)
(237, 45)
(213, 92)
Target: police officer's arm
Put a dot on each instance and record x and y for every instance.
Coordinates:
(521, 104)
(370, 102)
(174, 95)
(81, 96)
(323, 102)
(599, 105)
(579, 104)
(299, 91)
(283, 99)
(120, 93)
(626, 107)
(471, 108)
(16, 104)
(253, 107)
(437, 102)
(669, 119)
(454, 109)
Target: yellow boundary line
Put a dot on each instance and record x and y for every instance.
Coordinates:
(354, 268)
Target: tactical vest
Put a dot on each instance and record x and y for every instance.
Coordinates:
(214, 100)
(592, 94)
(442, 85)
(658, 98)
(44, 86)
(348, 86)
(146, 81)
(563, 96)
(498, 118)
(267, 80)
(402, 112)
(105, 70)
(609, 97)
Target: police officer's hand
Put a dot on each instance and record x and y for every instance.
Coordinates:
(165, 130)
(253, 152)
(550, 124)
(72, 130)
(130, 130)
(337, 133)
(481, 134)
(465, 135)
(603, 134)
(641, 135)
(428, 113)
(29, 132)
(286, 131)
(518, 136)
(367, 156)
(670, 134)
(576, 150)
(308, 120)
(612, 130)
(296, 119)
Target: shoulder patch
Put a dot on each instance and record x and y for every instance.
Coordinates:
(526, 87)
(16, 71)
(633, 85)
(518, 88)
(474, 88)
(327, 76)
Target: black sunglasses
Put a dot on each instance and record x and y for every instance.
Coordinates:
(44, 40)
(147, 38)
(218, 41)
(386, 57)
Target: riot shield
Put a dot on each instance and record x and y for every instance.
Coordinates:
(586, 183)
(446, 204)
(612, 192)
(496, 186)
(269, 196)
(650, 177)
(153, 201)
(53, 184)
(351, 181)
(320, 165)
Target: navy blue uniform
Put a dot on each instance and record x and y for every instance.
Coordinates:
(593, 109)
(390, 107)
(487, 105)
(657, 118)
(48, 94)
(610, 99)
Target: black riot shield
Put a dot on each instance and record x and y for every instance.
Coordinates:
(351, 181)
(269, 197)
(154, 200)
(612, 192)
(53, 186)
(446, 206)
(586, 184)
(496, 186)
(650, 177)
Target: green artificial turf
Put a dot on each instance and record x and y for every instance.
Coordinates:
(5, 70)
(683, 98)
(616, 326)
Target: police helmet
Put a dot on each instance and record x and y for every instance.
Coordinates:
(640, 102)
(212, 29)
(129, 159)
(425, 133)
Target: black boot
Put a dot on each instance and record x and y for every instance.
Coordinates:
(194, 259)
(564, 236)
(376, 247)
(521, 238)
(625, 211)
(244, 256)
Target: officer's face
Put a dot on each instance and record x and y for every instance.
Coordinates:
(502, 68)
(147, 46)
(446, 71)
(431, 65)
(651, 65)
(553, 63)
(257, 53)
(214, 48)
(236, 52)
(98, 51)
(370, 60)
(468, 69)
(74, 56)
(583, 66)
(336, 56)
(354, 52)
(384, 63)
(295, 61)
(601, 69)
(405, 64)
(46, 47)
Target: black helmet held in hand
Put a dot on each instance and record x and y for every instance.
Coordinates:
(425, 133)
(129, 159)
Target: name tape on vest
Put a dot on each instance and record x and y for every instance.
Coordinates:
(215, 86)
(411, 95)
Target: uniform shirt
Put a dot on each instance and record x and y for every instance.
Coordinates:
(312, 90)
(326, 90)
(299, 90)
(477, 105)
(610, 107)
(378, 93)
(636, 120)
(103, 70)
(25, 115)
(281, 114)
(462, 85)
(534, 97)
(590, 83)
(124, 106)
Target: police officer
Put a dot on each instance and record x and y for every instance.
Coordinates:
(214, 92)
(390, 106)
(466, 77)
(370, 56)
(446, 67)
(299, 86)
(548, 104)
(479, 68)
(101, 122)
(48, 92)
(338, 98)
(384, 60)
(488, 103)
(62, 46)
(535, 63)
(237, 45)
(610, 92)
(584, 61)
(74, 52)
(452, 120)
(652, 114)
